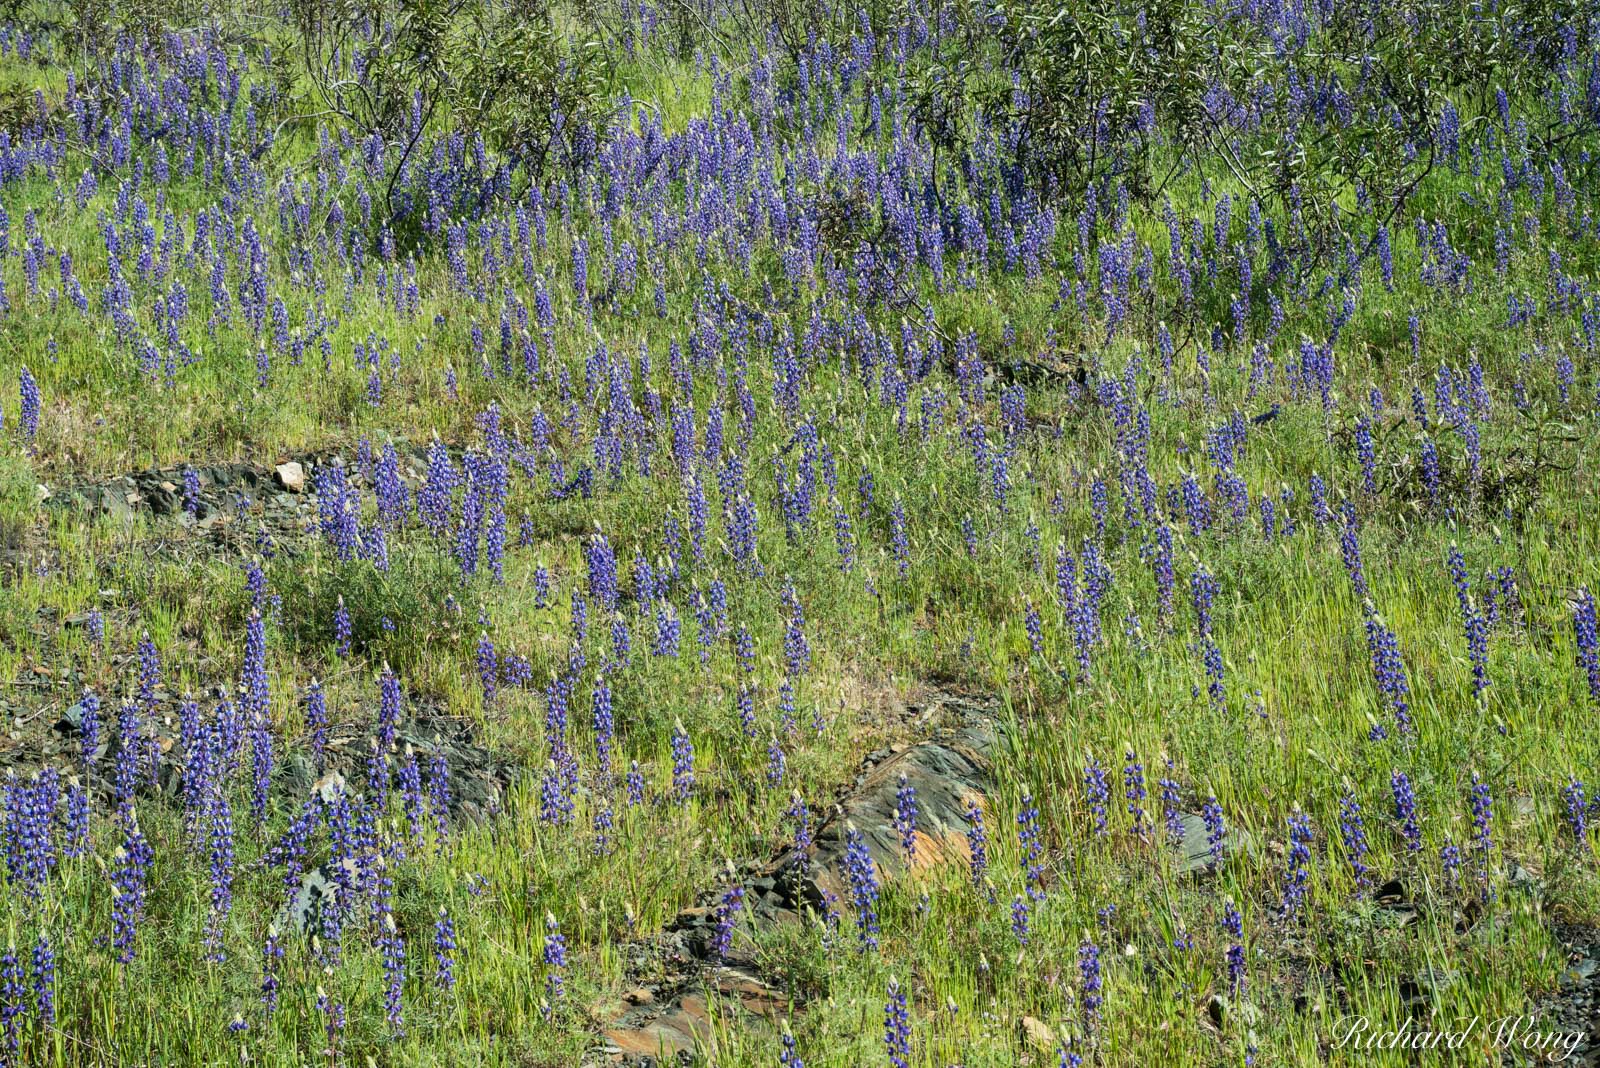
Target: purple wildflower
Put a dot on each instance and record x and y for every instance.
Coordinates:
(1233, 926)
(30, 406)
(977, 845)
(905, 817)
(1482, 836)
(271, 959)
(1098, 793)
(1092, 984)
(726, 916)
(1352, 832)
(682, 763)
(1586, 635)
(1019, 919)
(444, 948)
(555, 963)
(44, 981)
(862, 875)
(1298, 875)
(1032, 847)
(897, 1026)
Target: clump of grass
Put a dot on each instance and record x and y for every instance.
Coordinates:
(18, 502)
(398, 614)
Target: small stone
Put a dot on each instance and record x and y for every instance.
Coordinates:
(1197, 845)
(296, 774)
(170, 487)
(638, 996)
(1579, 974)
(329, 787)
(71, 720)
(303, 911)
(1036, 1033)
(291, 476)
(1524, 880)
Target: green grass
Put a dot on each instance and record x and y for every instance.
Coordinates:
(1291, 734)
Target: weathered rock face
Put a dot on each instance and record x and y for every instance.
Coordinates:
(478, 777)
(1572, 1010)
(653, 1032)
(159, 491)
(318, 891)
(221, 492)
(951, 772)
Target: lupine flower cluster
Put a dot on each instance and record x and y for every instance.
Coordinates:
(721, 370)
(862, 875)
(905, 816)
(1298, 875)
(1032, 847)
(897, 1027)
(555, 962)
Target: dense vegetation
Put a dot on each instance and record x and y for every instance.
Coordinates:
(691, 395)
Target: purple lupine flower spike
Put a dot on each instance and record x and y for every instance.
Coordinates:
(1019, 919)
(89, 725)
(897, 1026)
(905, 817)
(271, 961)
(726, 916)
(1133, 789)
(1297, 877)
(393, 948)
(977, 845)
(555, 962)
(1576, 805)
(30, 406)
(1586, 636)
(1032, 848)
(44, 981)
(1482, 834)
(13, 1003)
(862, 876)
(1171, 798)
(682, 764)
(444, 949)
(1352, 831)
(1098, 792)
(1233, 926)
(1092, 998)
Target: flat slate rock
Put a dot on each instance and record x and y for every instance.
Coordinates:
(1197, 847)
(951, 773)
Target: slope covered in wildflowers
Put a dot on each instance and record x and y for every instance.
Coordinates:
(481, 485)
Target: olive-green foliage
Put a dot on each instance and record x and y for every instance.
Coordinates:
(397, 72)
(522, 86)
(16, 501)
(1087, 85)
